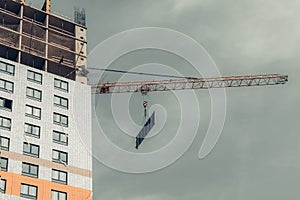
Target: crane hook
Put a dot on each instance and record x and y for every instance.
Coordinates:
(145, 104)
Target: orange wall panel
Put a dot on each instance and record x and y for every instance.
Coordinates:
(13, 186)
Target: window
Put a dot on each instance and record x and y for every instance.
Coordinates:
(31, 149)
(59, 176)
(4, 164)
(30, 170)
(5, 123)
(34, 76)
(61, 101)
(2, 185)
(4, 143)
(32, 111)
(28, 191)
(34, 94)
(57, 195)
(5, 103)
(32, 130)
(6, 86)
(7, 68)
(60, 138)
(60, 119)
(59, 156)
(61, 85)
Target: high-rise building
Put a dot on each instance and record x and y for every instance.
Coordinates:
(45, 105)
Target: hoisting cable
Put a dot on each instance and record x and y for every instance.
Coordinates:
(140, 73)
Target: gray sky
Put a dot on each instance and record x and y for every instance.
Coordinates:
(257, 156)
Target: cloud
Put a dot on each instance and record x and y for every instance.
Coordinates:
(185, 5)
(257, 153)
(242, 37)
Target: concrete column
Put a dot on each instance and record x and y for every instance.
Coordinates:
(46, 40)
(20, 31)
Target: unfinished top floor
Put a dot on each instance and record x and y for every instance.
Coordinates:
(42, 40)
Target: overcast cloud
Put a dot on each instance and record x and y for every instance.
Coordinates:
(257, 156)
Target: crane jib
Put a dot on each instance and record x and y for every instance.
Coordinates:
(187, 83)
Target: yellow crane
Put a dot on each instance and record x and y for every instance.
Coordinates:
(189, 83)
(181, 83)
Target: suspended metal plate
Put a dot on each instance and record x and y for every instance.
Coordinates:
(145, 130)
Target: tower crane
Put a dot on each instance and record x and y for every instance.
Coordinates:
(189, 83)
(182, 83)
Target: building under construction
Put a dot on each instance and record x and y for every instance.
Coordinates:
(42, 40)
(42, 65)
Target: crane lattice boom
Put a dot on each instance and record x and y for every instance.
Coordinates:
(189, 83)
